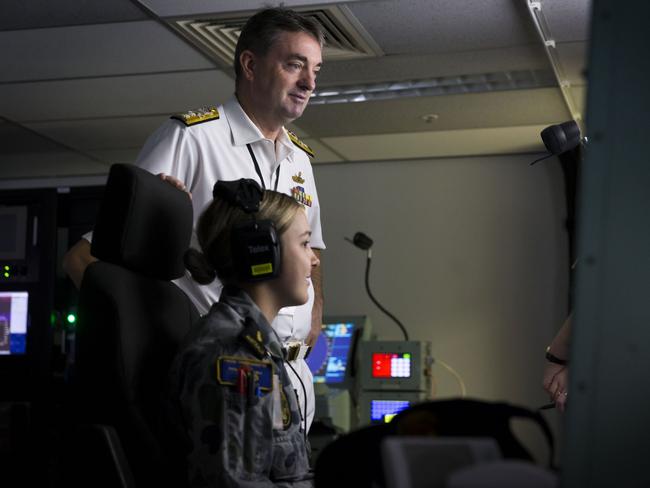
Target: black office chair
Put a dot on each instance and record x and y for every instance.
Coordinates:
(131, 321)
(356, 457)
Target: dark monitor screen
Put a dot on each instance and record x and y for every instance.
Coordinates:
(13, 322)
(330, 358)
(13, 226)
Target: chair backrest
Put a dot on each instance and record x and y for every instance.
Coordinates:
(131, 317)
(464, 417)
(427, 462)
(503, 474)
(357, 457)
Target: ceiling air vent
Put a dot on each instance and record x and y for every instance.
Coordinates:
(345, 37)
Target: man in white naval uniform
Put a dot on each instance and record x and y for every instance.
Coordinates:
(277, 58)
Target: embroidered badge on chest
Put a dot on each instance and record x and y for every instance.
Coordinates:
(229, 367)
(298, 178)
(299, 194)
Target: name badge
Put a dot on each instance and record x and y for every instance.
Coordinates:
(228, 368)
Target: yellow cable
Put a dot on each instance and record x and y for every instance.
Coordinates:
(463, 390)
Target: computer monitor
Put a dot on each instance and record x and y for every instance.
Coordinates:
(395, 365)
(331, 358)
(379, 407)
(13, 322)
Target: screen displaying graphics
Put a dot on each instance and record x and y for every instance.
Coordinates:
(391, 365)
(383, 411)
(330, 356)
(13, 322)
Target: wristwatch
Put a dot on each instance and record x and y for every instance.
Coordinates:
(554, 359)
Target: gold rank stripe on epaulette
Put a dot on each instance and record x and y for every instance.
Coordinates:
(300, 144)
(198, 116)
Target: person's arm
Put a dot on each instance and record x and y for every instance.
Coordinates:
(228, 435)
(559, 346)
(317, 310)
(76, 260)
(556, 376)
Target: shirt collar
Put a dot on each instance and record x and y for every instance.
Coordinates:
(242, 303)
(244, 131)
(242, 128)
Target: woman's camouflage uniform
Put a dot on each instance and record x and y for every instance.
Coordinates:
(220, 395)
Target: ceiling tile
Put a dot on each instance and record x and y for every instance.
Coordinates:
(16, 138)
(100, 134)
(579, 94)
(568, 20)
(98, 50)
(174, 8)
(417, 66)
(38, 14)
(573, 58)
(160, 94)
(495, 109)
(422, 26)
(472, 142)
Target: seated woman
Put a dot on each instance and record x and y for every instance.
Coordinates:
(231, 395)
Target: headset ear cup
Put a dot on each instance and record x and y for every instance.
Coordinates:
(256, 250)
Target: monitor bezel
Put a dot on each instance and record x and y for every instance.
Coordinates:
(26, 294)
(360, 325)
(365, 399)
(415, 382)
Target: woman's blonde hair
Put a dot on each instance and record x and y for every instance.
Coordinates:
(214, 234)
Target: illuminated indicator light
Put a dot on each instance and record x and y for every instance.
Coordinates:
(388, 417)
(6, 275)
(7, 268)
(407, 356)
(71, 318)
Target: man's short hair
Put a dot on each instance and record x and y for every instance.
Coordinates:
(262, 30)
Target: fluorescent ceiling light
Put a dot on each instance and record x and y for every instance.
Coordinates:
(444, 85)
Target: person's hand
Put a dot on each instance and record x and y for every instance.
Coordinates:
(555, 382)
(175, 182)
(316, 325)
(314, 332)
(311, 338)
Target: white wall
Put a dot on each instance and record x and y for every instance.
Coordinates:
(470, 253)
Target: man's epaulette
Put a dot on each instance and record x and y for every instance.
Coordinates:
(300, 144)
(197, 116)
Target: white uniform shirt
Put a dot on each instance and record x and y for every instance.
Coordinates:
(200, 155)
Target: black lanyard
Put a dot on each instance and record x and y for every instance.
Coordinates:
(259, 173)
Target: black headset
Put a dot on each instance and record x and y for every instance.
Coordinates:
(254, 244)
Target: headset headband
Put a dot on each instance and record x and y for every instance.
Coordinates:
(244, 193)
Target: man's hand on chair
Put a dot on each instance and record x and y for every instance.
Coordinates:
(175, 182)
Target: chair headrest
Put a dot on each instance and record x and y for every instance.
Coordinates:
(144, 224)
